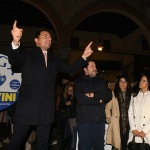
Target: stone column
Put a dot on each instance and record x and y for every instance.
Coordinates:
(64, 53)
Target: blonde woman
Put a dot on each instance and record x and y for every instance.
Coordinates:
(68, 116)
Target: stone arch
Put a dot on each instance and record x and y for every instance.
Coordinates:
(118, 7)
(52, 15)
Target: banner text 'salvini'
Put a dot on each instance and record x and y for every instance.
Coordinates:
(8, 96)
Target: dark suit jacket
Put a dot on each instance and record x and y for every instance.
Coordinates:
(90, 110)
(36, 103)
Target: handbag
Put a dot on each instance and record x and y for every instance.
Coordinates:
(138, 146)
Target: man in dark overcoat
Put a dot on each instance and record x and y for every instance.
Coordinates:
(36, 103)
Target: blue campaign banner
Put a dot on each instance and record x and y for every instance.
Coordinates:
(9, 83)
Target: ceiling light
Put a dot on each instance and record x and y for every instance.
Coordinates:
(100, 45)
(100, 48)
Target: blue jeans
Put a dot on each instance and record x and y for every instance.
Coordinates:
(91, 135)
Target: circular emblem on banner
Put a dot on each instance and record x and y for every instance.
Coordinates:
(14, 84)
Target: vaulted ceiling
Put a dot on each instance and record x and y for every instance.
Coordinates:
(27, 15)
(106, 22)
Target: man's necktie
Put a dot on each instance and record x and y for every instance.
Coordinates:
(45, 57)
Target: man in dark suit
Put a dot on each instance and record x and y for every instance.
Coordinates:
(92, 93)
(36, 103)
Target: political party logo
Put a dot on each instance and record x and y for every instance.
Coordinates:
(9, 83)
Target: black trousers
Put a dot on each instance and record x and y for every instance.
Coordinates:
(20, 132)
(5, 131)
(91, 136)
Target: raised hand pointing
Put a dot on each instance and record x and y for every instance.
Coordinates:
(88, 51)
(16, 33)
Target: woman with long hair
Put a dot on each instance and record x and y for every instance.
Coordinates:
(67, 116)
(139, 112)
(117, 115)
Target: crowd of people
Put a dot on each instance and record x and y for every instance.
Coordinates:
(90, 112)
